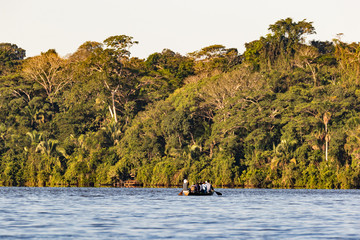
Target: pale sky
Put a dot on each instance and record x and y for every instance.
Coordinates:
(183, 26)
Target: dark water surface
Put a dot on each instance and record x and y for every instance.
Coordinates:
(157, 213)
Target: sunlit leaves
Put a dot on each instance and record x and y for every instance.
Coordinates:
(282, 114)
(10, 56)
(50, 71)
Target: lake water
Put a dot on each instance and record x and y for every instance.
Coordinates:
(159, 213)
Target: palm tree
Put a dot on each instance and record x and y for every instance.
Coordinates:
(47, 147)
(113, 132)
(35, 137)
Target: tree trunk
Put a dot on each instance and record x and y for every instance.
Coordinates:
(326, 119)
(326, 148)
(326, 142)
(113, 105)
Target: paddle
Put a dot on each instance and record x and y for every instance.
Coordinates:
(180, 193)
(218, 193)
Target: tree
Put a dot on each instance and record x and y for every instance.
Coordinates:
(50, 71)
(118, 81)
(119, 45)
(10, 56)
(348, 56)
(35, 137)
(326, 119)
(215, 57)
(47, 147)
(113, 133)
(86, 51)
(221, 90)
(166, 72)
(306, 58)
(262, 119)
(292, 32)
(280, 45)
(352, 145)
(254, 54)
(210, 52)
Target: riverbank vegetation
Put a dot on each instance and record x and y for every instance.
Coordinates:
(284, 113)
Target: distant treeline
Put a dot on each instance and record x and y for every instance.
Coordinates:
(284, 113)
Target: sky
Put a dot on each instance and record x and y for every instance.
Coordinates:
(183, 26)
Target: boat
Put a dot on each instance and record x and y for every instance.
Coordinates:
(189, 193)
(193, 190)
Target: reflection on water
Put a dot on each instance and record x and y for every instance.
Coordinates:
(156, 213)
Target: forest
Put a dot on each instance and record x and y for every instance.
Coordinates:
(285, 113)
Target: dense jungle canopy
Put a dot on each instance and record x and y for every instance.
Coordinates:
(284, 113)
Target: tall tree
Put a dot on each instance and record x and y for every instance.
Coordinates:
(281, 44)
(10, 54)
(50, 71)
(215, 57)
(118, 80)
(348, 56)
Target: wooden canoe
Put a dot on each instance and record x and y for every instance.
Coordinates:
(189, 193)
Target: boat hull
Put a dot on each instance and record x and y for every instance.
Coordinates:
(188, 193)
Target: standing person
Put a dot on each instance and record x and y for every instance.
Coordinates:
(209, 188)
(185, 187)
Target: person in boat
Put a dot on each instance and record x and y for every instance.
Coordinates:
(203, 188)
(185, 186)
(197, 187)
(209, 187)
(193, 188)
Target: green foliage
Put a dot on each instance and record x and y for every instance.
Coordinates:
(283, 114)
(120, 44)
(163, 172)
(278, 48)
(10, 56)
(215, 57)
